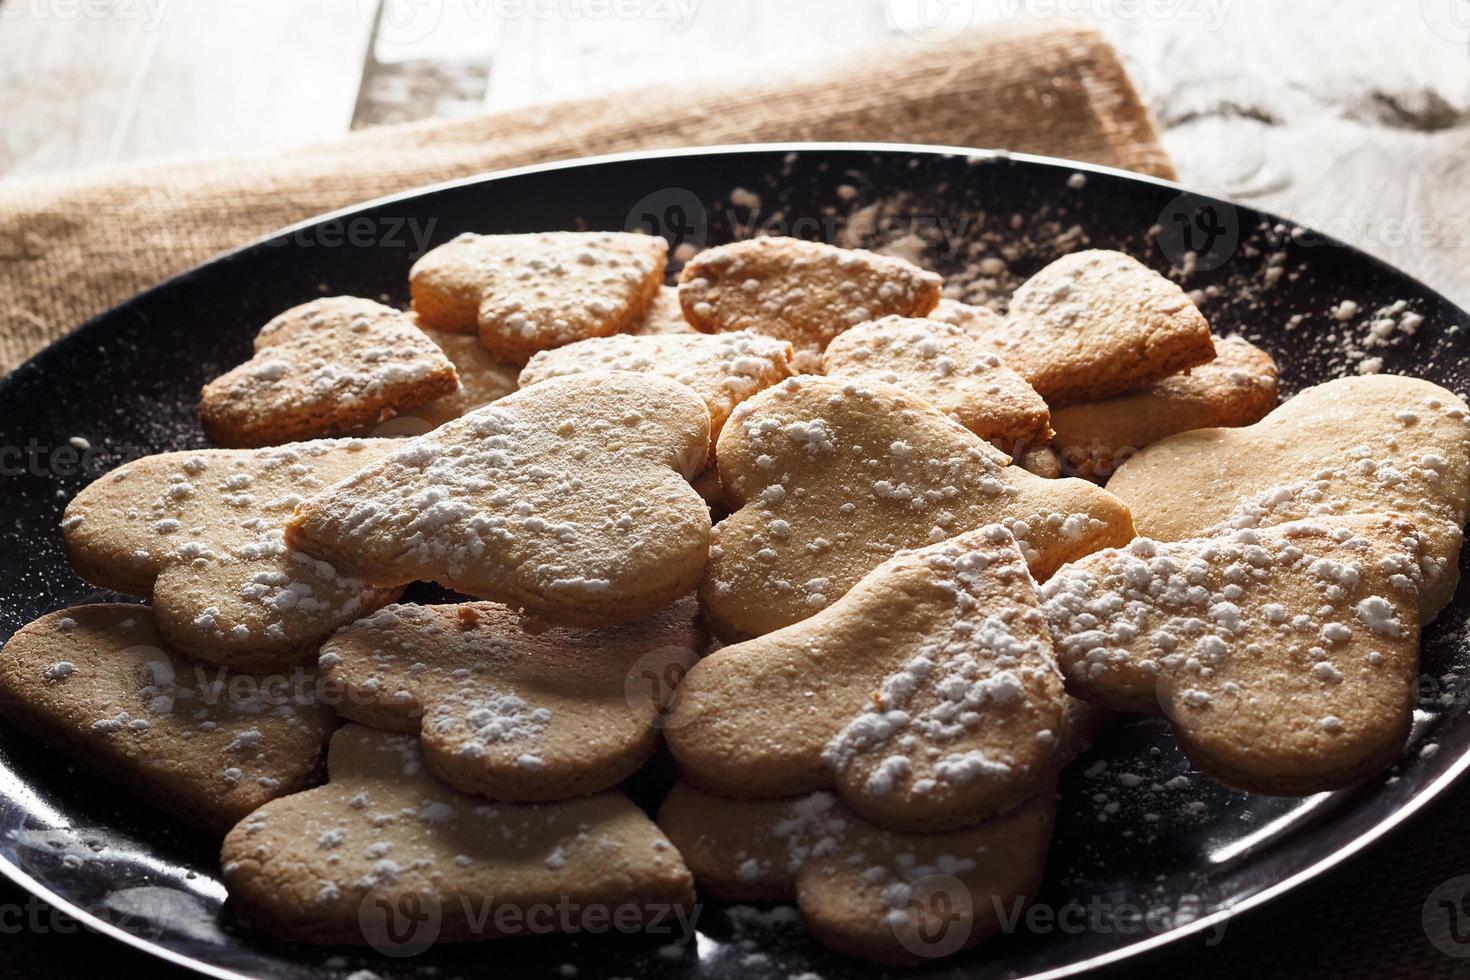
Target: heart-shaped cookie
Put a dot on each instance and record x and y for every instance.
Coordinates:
(99, 684)
(508, 707)
(799, 291)
(524, 293)
(201, 532)
(891, 897)
(948, 368)
(927, 696)
(330, 367)
(978, 321)
(1095, 324)
(663, 316)
(832, 477)
(723, 369)
(1372, 444)
(482, 379)
(570, 497)
(1285, 657)
(1237, 388)
(333, 864)
(1041, 461)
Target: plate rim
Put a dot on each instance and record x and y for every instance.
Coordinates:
(1392, 823)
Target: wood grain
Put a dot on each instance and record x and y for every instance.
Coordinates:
(428, 61)
(86, 84)
(1352, 116)
(675, 43)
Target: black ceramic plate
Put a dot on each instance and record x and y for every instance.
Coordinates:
(1146, 851)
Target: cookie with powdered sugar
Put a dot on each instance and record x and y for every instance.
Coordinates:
(830, 478)
(99, 684)
(1284, 657)
(1094, 324)
(927, 697)
(723, 369)
(524, 293)
(1237, 388)
(1373, 444)
(338, 863)
(483, 378)
(570, 497)
(881, 895)
(201, 532)
(330, 367)
(799, 291)
(978, 321)
(663, 316)
(1041, 461)
(951, 370)
(508, 707)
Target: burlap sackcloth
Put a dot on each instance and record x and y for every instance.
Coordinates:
(76, 244)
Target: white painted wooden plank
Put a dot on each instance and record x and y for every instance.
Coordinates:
(64, 83)
(246, 75)
(1352, 116)
(1299, 59)
(97, 82)
(428, 61)
(434, 30)
(669, 42)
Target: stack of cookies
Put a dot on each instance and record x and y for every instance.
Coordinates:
(801, 520)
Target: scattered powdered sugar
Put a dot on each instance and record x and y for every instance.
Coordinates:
(969, 673)
(1236, 615)
(331, 365)
(724, 368)
(517, 495)
(220, 514)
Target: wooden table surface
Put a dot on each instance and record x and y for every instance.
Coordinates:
(1352, 116)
